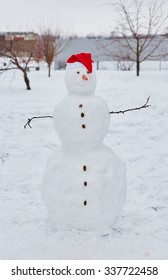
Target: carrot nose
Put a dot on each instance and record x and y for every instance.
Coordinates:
(84, 77)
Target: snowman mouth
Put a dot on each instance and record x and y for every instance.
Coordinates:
(84, 83)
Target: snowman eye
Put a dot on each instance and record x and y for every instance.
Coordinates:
(78, 72)
(88, 72)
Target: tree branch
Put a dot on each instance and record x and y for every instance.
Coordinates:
(29, 120)
(112, 112)
(132, 109)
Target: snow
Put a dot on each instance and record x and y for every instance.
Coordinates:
(64, 192)
(69, 127)
(75, 84)
(138, 138)
(84, 184)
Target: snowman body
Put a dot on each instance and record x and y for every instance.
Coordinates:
(84, 182)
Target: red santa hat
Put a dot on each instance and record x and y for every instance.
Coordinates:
(84, 58)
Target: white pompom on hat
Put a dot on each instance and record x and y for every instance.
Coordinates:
(76, 60)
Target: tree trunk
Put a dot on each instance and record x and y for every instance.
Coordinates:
(137, 68)
(26, 79)
(49, 70)
(137, 58)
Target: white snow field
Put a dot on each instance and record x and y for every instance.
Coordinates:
(139, 138)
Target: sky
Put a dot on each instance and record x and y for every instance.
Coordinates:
(79, 17)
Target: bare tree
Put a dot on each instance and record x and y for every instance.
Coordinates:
(124, 65)
(52, 44)
(38, 50)
(139, 23)
(14, 52)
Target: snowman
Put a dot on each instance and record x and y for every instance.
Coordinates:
(84, 184)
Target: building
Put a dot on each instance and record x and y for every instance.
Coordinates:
(22, 42)
(111, 49)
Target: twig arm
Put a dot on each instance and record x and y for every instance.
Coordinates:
(112, 112)
(29, 120)
(132, 109)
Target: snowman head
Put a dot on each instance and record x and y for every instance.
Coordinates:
(80, 75)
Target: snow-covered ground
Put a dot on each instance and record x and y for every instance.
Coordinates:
(140, 139)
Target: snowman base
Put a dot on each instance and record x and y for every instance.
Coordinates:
(84, 191)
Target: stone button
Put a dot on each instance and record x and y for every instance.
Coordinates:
(85, 184)
(84, 168)
(80, 106)
(83, 126)
(85, 203)
(82, 115)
